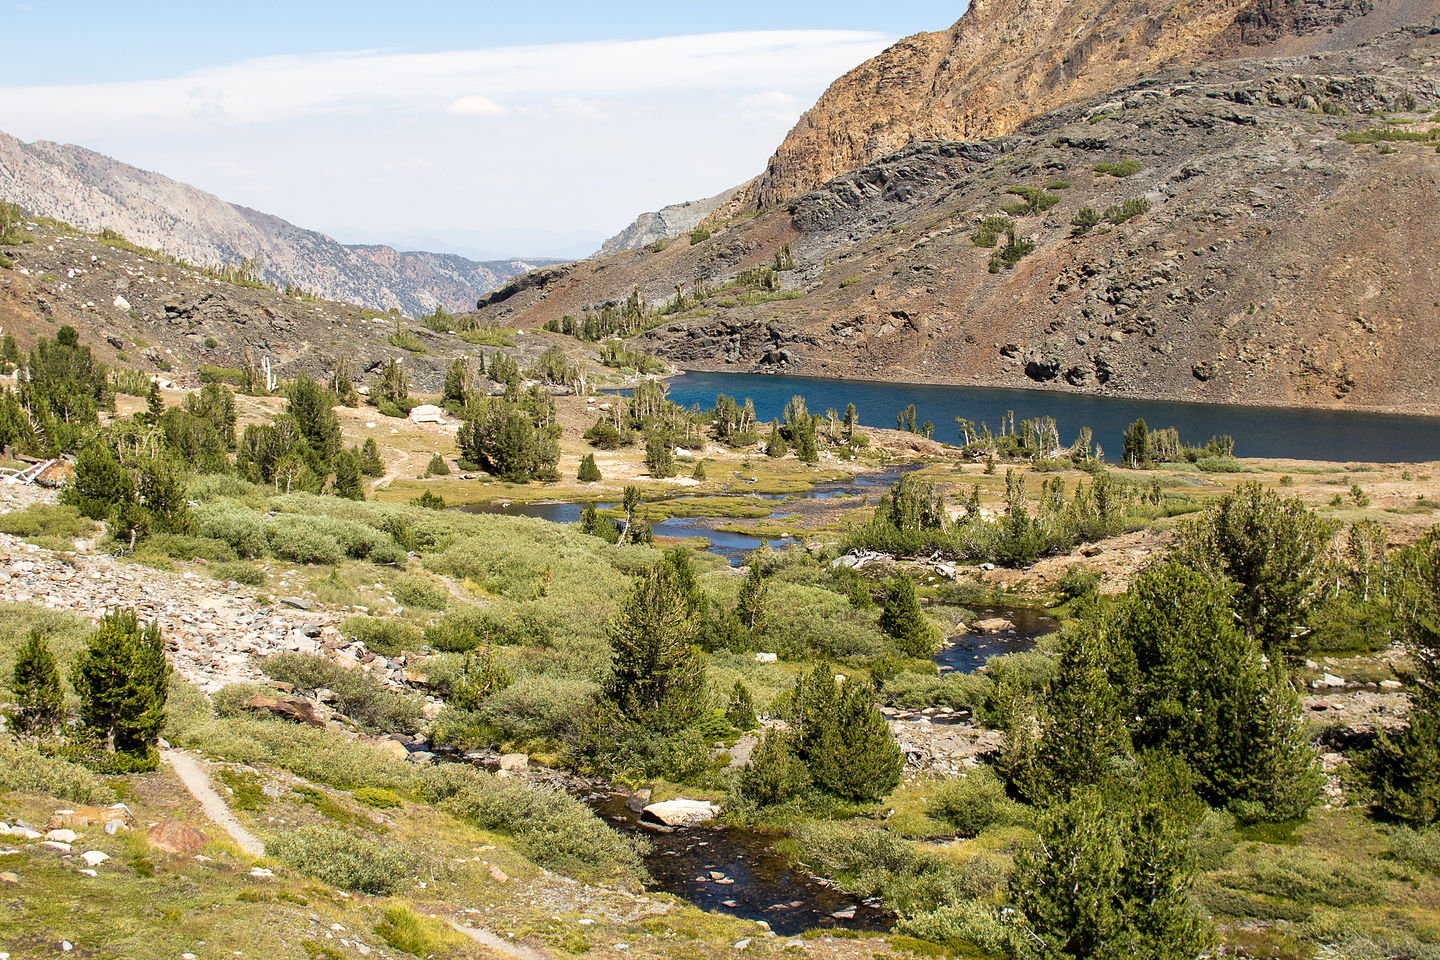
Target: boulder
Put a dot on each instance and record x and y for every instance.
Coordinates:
(679, 813)
(992, 625)
(765, 658)
(175, 837)
(82, 817)
(512, 764)
(61, 836)
(297, 709)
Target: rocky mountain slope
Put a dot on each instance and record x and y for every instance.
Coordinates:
(1270, 259)
(667, 222)
(1006, 61)
(91, 191)
(170, 319)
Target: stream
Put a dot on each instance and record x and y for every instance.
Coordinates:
(734, 547)
(735, 870)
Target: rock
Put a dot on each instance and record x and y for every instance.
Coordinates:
(1391, 685)
(742, 944)
(847, 914)
(175, 837)
(120, 303)
(514, 763)
(395, 748)
(297, 709)
(93, 858)
(497, 874)
(299, 603)
(262, 873)
(82, 817)
(679, 813)
(61, 836)
(766, 658)
(1328, 680)
(8, 877)
(992, 625)
(638, 800)
(56, 845)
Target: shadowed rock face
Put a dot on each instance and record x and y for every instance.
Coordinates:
(1269, 259)
(1006, 61)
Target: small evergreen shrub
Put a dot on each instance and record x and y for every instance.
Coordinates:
(341, 859)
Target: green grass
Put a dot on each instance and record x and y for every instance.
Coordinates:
(1390, 135)
(406, 340)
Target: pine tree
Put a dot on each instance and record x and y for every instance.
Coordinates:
(740, 711)
(775, 445)
(904, 622)
(751, 606)
(775, 773)
(39, 697)
(659, 455)
(452, 395)
(154, 405)
(370, 463)
(658, 675)
(699, 473)
(850, 421)
(348, 482)
(437, 467)
(589, 472)
(856, 757)
(122, 679)
(1111, 875)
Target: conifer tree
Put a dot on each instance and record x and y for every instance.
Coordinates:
(154, 405)
(850, 421)
(699, 473)
(751, 606)
(740, 711)
(775, 445)
(589, 472)
(658, 674)
(856, 757)
(370, 463)
(122, 679)
(904, 622)
(659, 455)
(452, 395)
(39, 697)
(348, 482)
(1111, 876)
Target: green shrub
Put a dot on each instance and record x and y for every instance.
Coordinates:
(974, 802)
(242, 529)
(240, 572)
(52, 527)
(377, 797)
(1417, 848)
(699, 235)
(1118, 213)
(549, 826)
(24, 768)
(1220, 465)
(342, 859)
(1124, 168)
(414, 591)
(990, 230)
(960, 925)
(384, 636)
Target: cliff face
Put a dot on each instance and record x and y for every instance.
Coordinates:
(91, 191)
(1006, 61)
(667, 222)
(1252, 239)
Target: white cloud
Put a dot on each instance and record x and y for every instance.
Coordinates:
(477, 106)
(270, 88)
(567, 139)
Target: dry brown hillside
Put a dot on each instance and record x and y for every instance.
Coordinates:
(1006, 61)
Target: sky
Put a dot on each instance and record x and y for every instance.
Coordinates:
(481, 128)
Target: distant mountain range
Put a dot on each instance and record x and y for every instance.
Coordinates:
(92, 191)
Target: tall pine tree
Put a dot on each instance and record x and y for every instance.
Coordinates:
(122, 679)
(39, 697)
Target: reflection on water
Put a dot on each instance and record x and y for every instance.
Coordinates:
(764, 885)
(732, 546)
(967, 652)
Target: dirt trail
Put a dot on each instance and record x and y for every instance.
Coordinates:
(197, 781)
(487, 939)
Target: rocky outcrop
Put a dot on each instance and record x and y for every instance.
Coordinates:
(667, 222)
(89, 190)
(1006, 61)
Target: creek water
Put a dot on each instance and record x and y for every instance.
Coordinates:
(694, 864)
(1301, 433)
(732, 546)
(967, 652)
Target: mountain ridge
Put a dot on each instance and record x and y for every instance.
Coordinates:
(92, 191)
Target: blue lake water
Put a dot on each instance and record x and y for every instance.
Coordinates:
(1258, 431)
